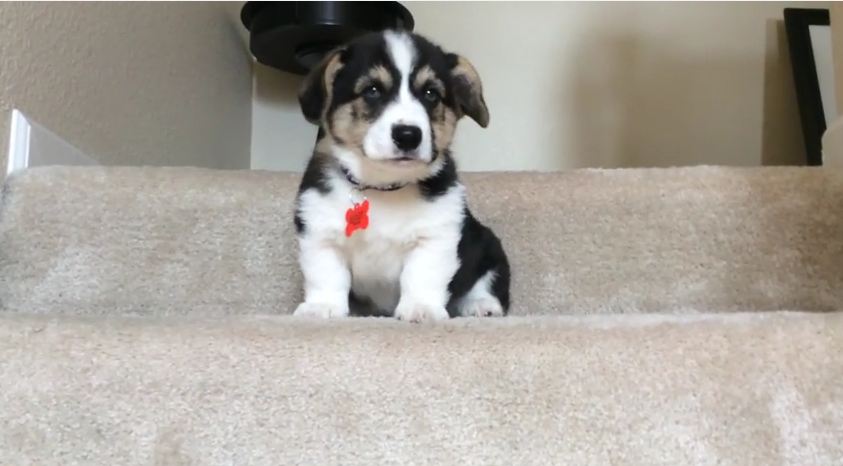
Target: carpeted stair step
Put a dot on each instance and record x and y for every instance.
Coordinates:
(181, 241)
(757, 388)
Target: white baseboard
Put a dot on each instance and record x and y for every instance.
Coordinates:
(18, 157)
(32, 145)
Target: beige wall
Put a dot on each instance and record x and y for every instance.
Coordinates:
(130, 83)
(594, 84)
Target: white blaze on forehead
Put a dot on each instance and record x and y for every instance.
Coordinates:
(402, 52)
(405, 109)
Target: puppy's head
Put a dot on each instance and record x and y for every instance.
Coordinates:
(389, 104)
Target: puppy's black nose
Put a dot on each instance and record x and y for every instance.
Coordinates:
(406, 137)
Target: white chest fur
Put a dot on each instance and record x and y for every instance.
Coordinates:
(400, 224)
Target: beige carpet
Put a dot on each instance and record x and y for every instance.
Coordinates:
(162, 241)
(141, 323)
(745, 389)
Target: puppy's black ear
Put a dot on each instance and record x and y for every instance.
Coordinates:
(468, 91)
(315, 91)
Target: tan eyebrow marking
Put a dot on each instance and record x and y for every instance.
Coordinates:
(426, 76)
(376, 74)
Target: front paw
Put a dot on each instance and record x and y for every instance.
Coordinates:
(420, 312)
(321, 310)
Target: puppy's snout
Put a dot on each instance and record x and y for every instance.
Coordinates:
(406, 137)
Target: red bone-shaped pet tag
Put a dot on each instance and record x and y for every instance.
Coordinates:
(357, 217)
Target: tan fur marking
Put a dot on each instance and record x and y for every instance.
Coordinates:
(426, 76)
(377, 74)
(468, 79)
(465, 68)
(348, 124)
(331, 69)
(444, 123)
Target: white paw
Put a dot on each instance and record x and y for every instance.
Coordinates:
(321, 310)
(420, 312)
(481, 307)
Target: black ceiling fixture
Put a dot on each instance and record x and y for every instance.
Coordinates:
(294, 36)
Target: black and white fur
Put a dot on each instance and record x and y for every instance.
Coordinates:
(387, 105)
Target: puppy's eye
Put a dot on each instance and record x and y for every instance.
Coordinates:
(431, 95)
(372, 92)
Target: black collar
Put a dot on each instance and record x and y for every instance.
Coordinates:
(363, 187)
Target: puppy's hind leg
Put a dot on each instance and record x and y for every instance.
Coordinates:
(480, 300)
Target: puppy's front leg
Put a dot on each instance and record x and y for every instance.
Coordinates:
(327, 280)
(427, 272)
